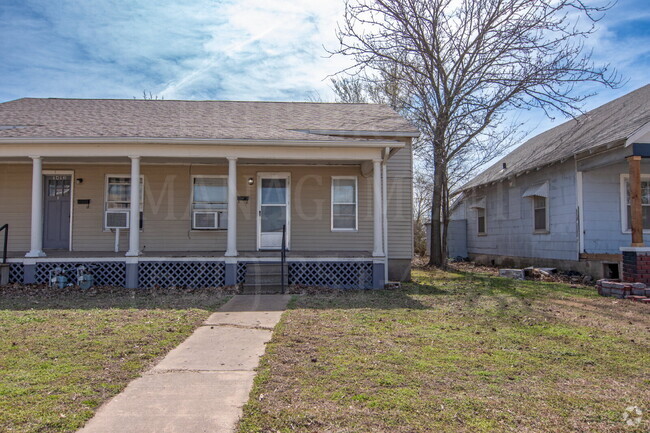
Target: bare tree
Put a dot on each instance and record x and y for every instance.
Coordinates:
(350, 90)
(422, 191)
(465, 64)
(150, 96)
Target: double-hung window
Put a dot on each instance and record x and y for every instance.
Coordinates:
(539, 195)
(117, 203)
(209, 202)
(344, 203)
(480, 221)
(627, 208)
(540, 214)
(479, 206)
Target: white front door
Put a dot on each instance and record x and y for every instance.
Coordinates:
(273, 192)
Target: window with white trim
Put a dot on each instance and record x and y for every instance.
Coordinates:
(344, 203)
(540, 214)
(209, 202)
(481, 227)
(645, 202)
(117, 202)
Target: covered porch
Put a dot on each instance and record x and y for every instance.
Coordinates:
(184, 241)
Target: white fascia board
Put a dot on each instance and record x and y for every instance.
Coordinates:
(201, 141)
(645, 129)
(126, 149)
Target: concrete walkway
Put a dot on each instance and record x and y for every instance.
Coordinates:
(202, 384)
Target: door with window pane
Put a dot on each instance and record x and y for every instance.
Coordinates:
(56, 217)
(273, 210)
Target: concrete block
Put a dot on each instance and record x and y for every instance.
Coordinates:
(378, 275)
(4, 274)
(517, 274)
(231, 274)
(132, 278)
(29, 274)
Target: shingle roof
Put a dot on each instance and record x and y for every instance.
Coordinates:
(612, 123)
(60, 118)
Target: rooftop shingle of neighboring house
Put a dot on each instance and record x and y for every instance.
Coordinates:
(95, 118)
(608, 125)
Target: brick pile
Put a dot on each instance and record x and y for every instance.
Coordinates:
(616, 288)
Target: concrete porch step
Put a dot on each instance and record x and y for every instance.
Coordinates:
(265, 277)
(261, 289)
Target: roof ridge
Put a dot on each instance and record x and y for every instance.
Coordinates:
(198, 100)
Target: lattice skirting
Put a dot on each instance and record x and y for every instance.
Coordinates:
(104, 273)
(182, 274)
(15, 273)
(337, 275)
(241, 272)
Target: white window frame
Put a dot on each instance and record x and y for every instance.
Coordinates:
(546, 230)
(625, 178)
(485, 225)
(356, 204)
(106, 177)
(208, 176)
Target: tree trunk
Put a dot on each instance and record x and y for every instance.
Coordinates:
(445, 220)
(436, 258)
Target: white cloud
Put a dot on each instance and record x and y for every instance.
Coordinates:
(206, 49)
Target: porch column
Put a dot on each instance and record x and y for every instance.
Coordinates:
(134, 223)
(36, 248)
(231, 250)
(635, 200)
(378, 250)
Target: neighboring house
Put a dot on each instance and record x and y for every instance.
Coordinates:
(562, 198)
(218, 181)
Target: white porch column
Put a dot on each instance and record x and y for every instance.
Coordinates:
(231, 250)
(134, 223)
(36, 248)
(378, 250)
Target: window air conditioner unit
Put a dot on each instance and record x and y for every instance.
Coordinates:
(117, 219)
(210, 220)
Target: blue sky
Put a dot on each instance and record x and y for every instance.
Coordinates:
(208, 49)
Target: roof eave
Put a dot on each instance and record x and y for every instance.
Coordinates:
(201, 141)
(368, 134)
(599, 148)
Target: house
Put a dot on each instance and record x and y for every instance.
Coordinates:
(218, 182)
(576, 197)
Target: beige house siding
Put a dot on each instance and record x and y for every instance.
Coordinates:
(399, 191)
(167, 195)
(15, 204)
(167, 216)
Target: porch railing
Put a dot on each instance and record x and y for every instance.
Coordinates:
(283, 256)
(5, 228)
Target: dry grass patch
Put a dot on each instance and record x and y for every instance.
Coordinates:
(455, 353)
(62, 356)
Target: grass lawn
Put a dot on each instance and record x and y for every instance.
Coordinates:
(455, 353)
(62, 356)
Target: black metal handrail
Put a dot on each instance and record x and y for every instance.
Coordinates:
(4, 248)
(283, 255)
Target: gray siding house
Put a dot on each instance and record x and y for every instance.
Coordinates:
(572, 197)
(218, 181)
